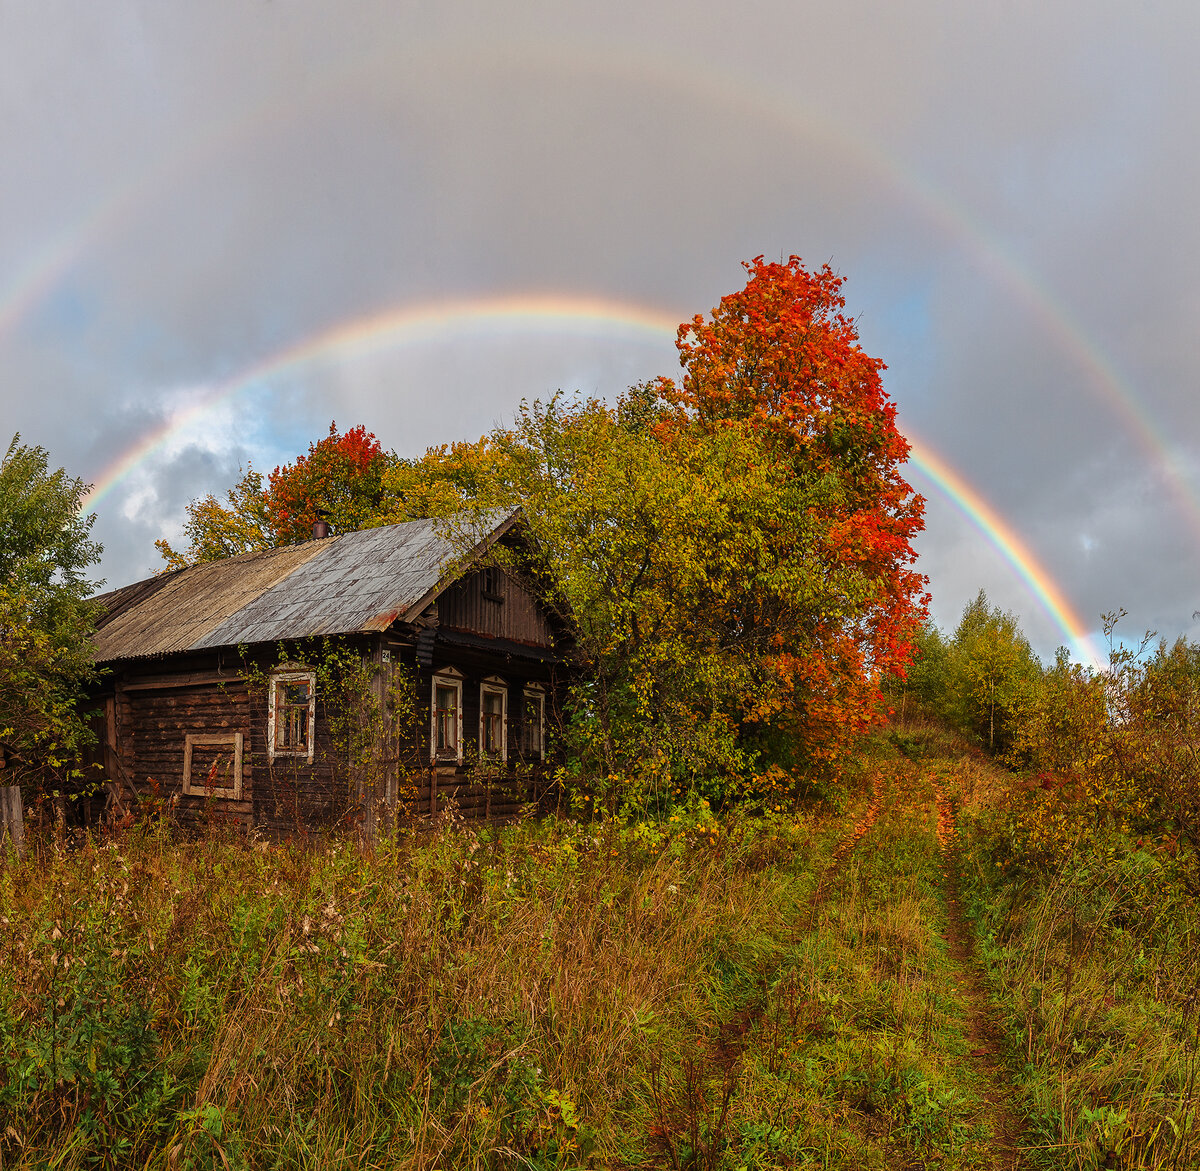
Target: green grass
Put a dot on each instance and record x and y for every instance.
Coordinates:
(1094, 963)
(858, 1058)
(697, 994)
(464, 998)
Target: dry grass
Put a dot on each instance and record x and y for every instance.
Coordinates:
(464, 998)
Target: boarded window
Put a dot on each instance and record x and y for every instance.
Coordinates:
(212, 765)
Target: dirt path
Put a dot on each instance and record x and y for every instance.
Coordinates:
(983, 1033)
(694, 1120)
(697, 1123)
(845, 847)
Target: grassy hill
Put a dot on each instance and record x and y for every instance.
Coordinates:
(887, 982)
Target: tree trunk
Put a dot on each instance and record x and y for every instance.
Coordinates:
(12, 819)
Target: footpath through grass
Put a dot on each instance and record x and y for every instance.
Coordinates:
(1093, 966)
(856, 1054)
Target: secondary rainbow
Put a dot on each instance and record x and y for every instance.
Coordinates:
(120, 207)
(425, 323)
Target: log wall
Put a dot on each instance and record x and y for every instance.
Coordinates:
(153, 710)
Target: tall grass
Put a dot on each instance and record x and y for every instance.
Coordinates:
(1095, 962)
(465, 998)
(859, 1057)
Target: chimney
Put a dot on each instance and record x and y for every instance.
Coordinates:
(320, 530)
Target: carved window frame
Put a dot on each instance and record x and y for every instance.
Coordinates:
(201, 789)
(452, 680)
(278, 678)
(494, 685)
(535, 705)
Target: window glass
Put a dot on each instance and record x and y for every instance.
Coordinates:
(492, 723)
(446, 715)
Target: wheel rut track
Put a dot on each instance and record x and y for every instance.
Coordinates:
(721, 1060)
(983, 1033)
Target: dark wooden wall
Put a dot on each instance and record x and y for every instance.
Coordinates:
(494, 790)
(154, 712)
(516, 615)
(152, 724)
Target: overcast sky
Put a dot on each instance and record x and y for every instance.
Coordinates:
(201, 199)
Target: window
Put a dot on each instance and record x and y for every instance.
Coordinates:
(491, 583)
(445, 737)
(535, 723)
(212, 765)
(493, 730)
(292, 714)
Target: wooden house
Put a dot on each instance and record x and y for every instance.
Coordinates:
(219, 693)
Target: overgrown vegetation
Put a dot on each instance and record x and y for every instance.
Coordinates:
(465, 998)
(45, 620)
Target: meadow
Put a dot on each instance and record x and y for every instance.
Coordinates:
(873, 981)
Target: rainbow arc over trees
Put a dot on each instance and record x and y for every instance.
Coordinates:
(700, 81)
(427, 322)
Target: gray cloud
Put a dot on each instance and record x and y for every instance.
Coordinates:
(191, 188)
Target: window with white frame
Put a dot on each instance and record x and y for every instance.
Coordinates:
(445, 733)
(292, 714)
(493, 719)
(535, 723)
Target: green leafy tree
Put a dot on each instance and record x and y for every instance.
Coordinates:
(711, 625)
(994, 671)
(216, 531)
(45, 617)
(926, 687)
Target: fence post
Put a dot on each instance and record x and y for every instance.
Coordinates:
(12, 818)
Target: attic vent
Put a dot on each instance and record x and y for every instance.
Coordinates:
(492, 583)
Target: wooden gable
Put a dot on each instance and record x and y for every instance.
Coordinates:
(495, 604)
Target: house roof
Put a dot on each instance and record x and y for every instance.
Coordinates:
(356, 582)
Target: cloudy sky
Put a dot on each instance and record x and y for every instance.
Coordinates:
(223, 224)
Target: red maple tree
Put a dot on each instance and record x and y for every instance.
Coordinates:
(781, 356)
(339, 481)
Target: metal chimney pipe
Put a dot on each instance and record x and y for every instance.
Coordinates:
(320, 530)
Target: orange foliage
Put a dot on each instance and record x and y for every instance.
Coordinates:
(339, 481)
(781, 355)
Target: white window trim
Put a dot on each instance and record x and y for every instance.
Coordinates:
(535, 696)
(200, 789)
(292, 677)
(494, 685)
(446, 677)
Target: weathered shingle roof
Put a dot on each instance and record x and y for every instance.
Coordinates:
(360, 581)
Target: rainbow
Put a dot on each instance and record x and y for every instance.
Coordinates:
(392, 329)
(1005, 540)
(700, 80)
(423, 323)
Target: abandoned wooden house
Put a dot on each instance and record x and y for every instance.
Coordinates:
(225, 683)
